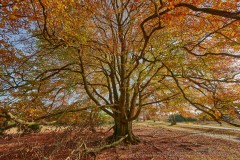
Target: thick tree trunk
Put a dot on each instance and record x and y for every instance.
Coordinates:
(122, 129)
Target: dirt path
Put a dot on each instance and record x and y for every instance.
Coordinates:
(225, 136)
(211, 127)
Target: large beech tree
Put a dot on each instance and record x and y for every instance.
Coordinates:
(121, 56)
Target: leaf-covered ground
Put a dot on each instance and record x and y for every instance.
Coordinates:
(158, 143)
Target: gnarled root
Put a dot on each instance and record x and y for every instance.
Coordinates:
(130, 139)
(93, 151)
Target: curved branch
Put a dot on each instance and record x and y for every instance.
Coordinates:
(196, 105)
(211, 53)
(216, 12)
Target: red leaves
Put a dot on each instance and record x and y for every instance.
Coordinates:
(218, 114)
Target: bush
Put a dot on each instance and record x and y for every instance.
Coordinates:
(35, 127)
(179, 118)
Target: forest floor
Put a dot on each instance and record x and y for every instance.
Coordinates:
(159, 142)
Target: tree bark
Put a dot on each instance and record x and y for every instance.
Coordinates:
(121, 129)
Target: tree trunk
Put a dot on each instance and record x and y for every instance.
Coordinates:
(173, 120)
(122, 129)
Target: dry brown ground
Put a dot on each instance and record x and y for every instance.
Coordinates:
(158, 143)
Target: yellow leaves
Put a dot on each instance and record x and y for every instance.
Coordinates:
(171, 6)
(233, 34)
(172, 3)
(1, 25)
(61, 6)
(31, 110)
(15, 7)
(221, 4)
(13, 17)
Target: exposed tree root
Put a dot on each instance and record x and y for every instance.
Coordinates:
(96, 150)
(131, 139)
(93, 151)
